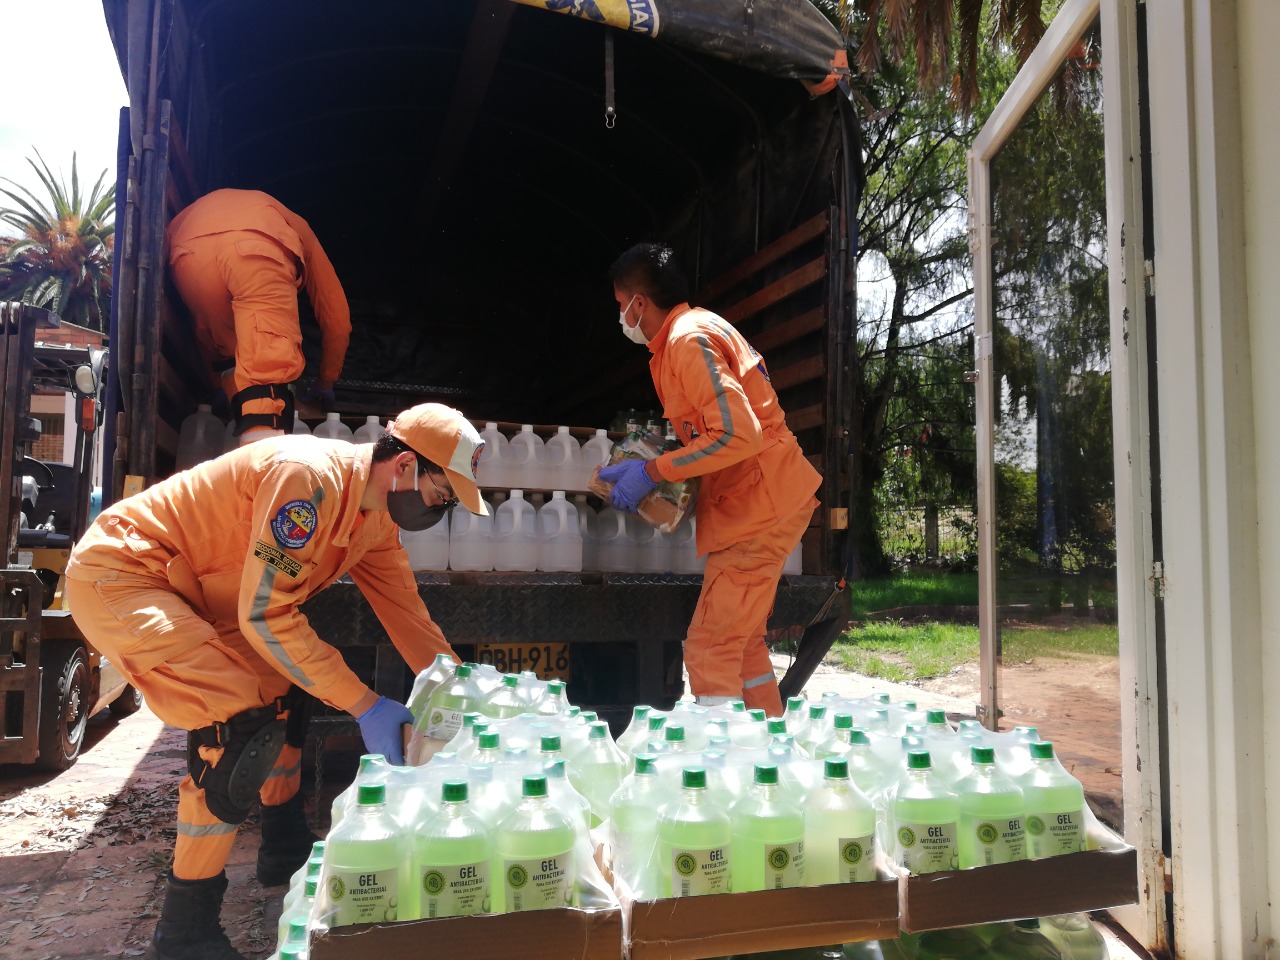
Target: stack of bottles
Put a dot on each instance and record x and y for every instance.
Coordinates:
(527, 462)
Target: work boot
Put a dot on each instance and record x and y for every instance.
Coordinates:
(286, 841)
(189, 927)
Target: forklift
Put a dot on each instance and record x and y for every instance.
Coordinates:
(51, 679)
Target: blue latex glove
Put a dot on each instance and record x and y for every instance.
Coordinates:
(326, 400)
(630, 484)
(382, 727)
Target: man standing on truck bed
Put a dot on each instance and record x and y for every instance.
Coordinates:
(757, 487)
(193, 588)
(238, 258)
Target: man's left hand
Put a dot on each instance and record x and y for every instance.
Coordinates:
(631, 483)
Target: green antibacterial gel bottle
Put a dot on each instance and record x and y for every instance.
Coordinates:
(991, 810)
(364, 859)
(767, 830)
(925, 815)
(840, 827)
(534, 854)
(1055, 806)
(452, 850)
(693, 842)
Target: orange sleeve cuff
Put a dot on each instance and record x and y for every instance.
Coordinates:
(344, 693)
(665, 467)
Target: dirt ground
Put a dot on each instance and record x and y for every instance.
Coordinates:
(83, 854)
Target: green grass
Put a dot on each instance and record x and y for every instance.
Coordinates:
(913, 589)
(1024, 643)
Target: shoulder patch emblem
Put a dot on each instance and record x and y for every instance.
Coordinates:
(294, 524)
(277, 558)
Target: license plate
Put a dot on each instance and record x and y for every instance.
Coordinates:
(550, 661)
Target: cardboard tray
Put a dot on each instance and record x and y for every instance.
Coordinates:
(536, 935)
(688, 928)
(1104, 876)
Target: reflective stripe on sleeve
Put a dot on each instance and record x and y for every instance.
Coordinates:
(726, 417)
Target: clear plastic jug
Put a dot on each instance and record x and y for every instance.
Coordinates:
(334, 429)
(793, 567)
(471, 540)
(300, 428)
(515, 535)
(587, 527)
(559, 536)
(369, 431)
(615, 552)
(562, 465)
(684, 548)
(201, 438)
(595, 453)
(526, 453)
(429, 549)
(492, 470)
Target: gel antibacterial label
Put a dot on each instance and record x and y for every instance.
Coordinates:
(927, 847)
(1052, 833)
(455, 891)
(539, 884)
(695, 873)
(364, 896)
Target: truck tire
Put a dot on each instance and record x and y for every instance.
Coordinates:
(65, 692)
(127, 704)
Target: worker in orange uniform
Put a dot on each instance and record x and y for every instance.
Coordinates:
(238, 258)
(757, 493)
(193, 589)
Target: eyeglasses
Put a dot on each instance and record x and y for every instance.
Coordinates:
(445, 502)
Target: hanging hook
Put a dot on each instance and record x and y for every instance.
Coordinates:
(610, 109)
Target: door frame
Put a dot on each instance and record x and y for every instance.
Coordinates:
(1137, 587)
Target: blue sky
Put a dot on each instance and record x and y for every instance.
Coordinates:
(64, 91)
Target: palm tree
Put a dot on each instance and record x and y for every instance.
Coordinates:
(60, 258)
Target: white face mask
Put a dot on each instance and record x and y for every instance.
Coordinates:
(634, 334)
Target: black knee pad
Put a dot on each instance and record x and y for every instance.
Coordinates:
(263, 391)
(251, 742)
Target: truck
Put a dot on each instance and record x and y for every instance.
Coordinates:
(472, 168)
(51, 680)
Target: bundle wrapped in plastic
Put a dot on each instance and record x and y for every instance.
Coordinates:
(667, 504)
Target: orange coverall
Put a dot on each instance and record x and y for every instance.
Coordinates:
(238, 258)
(755, 503)
(192, 588)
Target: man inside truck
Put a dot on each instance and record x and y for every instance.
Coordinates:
(237, 258)
(757, 492)
(194, 586)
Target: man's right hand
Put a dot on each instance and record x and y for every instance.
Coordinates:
(318, 395)
(382, 727)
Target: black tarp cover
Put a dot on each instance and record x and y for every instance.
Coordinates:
(782, 38)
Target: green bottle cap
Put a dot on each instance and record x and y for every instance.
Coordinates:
(646, 763)
(766, 773)
(639, 712)
(937, 716)
(982, 755)
(573, 711)
(674, 733)
(817, 711)
(738, 706)
(443, 658)
(555, 687)
(454, 791)
(297, 931)
(534, 786)
(1027, 732)
(551, 743)
(720, 742)
(915, 729)
(919, 760)
(371, 761)
(293, 951)
(555, 769)
(463, 671)
(882, 716)
(599, 731)
(314, 866)
(309, 887)
(908, 705)
(795, 704)
(844, 721)
(656, 723)
(471, 718)
(836, 768)
(589, 715)
(694, 777)
(510, 680)
(778, 726)
(1042, 750)
(371, 793)
(759, 716)
(317, 849)
(489, 740)
(881, 698)
(858, 735)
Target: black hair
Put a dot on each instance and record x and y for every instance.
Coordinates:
(387, 447)
(651, 269)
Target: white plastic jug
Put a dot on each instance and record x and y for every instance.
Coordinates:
(794, 565)
(334, 429)
(492, 469)
(428, 549)
(201, 438)
(641, 534)
(300, 428)
(470, 540)
(515, 535)
(562, 464)
(587, 528)
(559, 536)
(684, 548)
(655, 553)
(595, 453)
(369, 431)
(526, 452)
(230, 440)
(615, 552)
